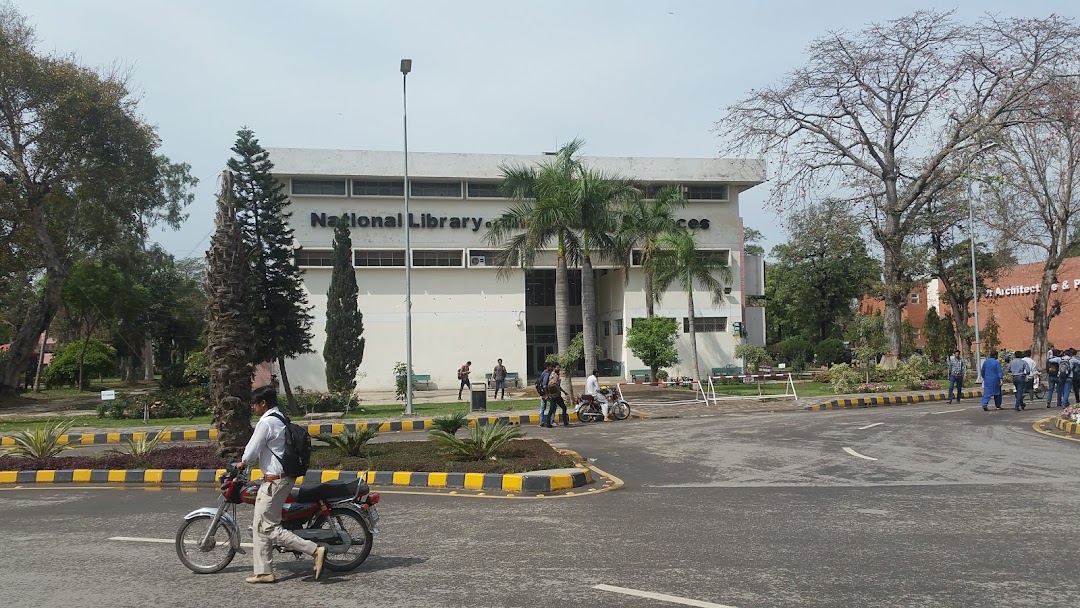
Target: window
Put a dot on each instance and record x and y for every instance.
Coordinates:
(707, 193)
(618, 327)
(636, 257)
(305, 257)
(378, 187)
(649, 191)
(437, 258)
(720, 255)
(380, 257)
(443, 189)
(485, 190)
(914, 298)
(607, 328)
(319, 187)
(540, 288)
(705, 324)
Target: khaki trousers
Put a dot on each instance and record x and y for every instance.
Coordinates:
(266, 530)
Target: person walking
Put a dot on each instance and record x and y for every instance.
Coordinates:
(267, 446)
(1065, 377)
(463, 376)
(957, 369)
(1034, 377)
(1019, 371)
(1053, 359)
(1074, 369)
(544, 377)
(498, 376)
(992, 379)
(555, 397)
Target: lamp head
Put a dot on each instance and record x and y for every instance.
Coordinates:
(406, 66)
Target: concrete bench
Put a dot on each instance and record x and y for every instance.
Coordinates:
(728, 370)
(644, 374)
(422, 378)
(512, 379)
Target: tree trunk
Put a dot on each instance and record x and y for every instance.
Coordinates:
(693, 335)
(894, 299)
(650, 308)
(588, 313)
(82, 357)
(148, 360)
(37, 320)
(293, 410)
(1042, 313)
(562, 303)
(41, 360)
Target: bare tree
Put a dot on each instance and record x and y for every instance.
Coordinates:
(1033, 175)
(890, 117)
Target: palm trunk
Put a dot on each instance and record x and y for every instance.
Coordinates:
(650, 308)
(293, 409)
(693, 334)
(588, 313)
(562, 302)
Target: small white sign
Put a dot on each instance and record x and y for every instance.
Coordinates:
(108, 395)
(782, 365)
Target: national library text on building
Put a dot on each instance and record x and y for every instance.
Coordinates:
(462, 311)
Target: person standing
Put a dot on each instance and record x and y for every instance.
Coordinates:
(555, 397)
(1066, 378)
(592, 386)
(463, 376)
(498, 375)
(1074, 369)
(1019, 371)
(957, 369)
(1033, 376)
(992, 379)
(544, 377)
(1053, 359)
(267, 446)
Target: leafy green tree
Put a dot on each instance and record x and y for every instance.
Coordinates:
(77, 361)
(796, 351)
(569, 359)
(867, 336)
(280, 311)
(642, 224)
(344, 347)
(679, 261)
(949, 334)
(80, 172)
(907, 345)
(937, 346)
(990, 336)
(652, 340)
(751, 238)
(830, 351)
(755, 356)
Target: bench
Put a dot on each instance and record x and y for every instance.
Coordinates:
(512, 378)
(727, 370)
(644, 374)
(424, 378)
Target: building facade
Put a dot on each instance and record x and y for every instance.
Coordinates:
(463, 308)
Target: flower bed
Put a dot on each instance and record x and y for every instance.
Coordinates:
(517, 457)
(1071, 413)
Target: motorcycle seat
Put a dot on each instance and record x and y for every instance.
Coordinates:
(329, 490)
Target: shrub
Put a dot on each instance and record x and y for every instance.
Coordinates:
(831, 350)
(140, 449)
(187, 402)
(795, 351)
(662, 375)
(844, 378)
(481, 443)
(873, 387)
(912, 373)
(314, 401)
(451, 423)
(351, 443)
(822, 376)
(399, 381)
(43, 442)
(197, 368)
(927, 385)
(63, 370)
(755, 356)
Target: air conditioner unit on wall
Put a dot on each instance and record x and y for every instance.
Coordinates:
(477, 260)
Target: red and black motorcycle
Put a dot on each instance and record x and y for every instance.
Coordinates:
(339, 514)
(589, 410)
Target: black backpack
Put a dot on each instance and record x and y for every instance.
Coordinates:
(297, 449)
(539, 386)
(1052, 368)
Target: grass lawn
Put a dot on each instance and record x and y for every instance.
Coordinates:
(96, 386)
(516, 457)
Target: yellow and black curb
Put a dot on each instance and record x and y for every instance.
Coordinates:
(887, 400)
(313, 430)
(1065, 426)
(511, 482)
(1058, 428)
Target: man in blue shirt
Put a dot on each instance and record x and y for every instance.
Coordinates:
(544, 376)
(992, 378)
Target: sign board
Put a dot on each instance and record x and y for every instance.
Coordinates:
(764, 370)
(108, 395)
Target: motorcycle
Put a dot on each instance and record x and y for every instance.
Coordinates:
(340, 514)
(589, 410)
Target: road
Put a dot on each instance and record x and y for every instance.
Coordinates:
(958, 508)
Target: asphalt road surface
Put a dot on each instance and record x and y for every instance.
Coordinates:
(904, 506)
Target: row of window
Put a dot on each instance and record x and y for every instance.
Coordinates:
(723, 256)
(701, 324)
(396, 257)
(394, 188)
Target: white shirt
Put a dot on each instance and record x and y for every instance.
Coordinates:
(592, 385)
(1031, 364)
(267, 439)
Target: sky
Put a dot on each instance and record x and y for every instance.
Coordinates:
(631, 78)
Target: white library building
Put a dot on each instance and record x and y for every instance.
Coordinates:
(461, 309)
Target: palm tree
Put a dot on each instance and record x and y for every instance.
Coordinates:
(677, 260)
(545, 211)
(642, 225)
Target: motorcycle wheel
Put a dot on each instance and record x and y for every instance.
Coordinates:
(357, 529)
(212, 560)
(620, 410)
(1040, 392)
(590, 413)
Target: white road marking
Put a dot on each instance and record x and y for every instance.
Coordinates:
(870, 426)
(949, 411)
(674, 599)
(858, 455)
(164, 541)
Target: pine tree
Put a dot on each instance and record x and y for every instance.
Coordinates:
(989, 337)
(937, 349)
(344, 348)
(229, 337)
(279, 308)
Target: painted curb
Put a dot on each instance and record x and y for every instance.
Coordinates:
(1067, 427)
(510, 482)
(313, 430)
(839, 404)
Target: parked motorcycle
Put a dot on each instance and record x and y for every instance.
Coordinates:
(589, 410)
(340, 514)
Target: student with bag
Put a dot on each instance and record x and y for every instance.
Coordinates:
(463, 375)
(555, 391)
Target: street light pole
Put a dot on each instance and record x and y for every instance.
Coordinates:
(406, 67)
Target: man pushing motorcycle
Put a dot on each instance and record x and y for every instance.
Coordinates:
(267, 445)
